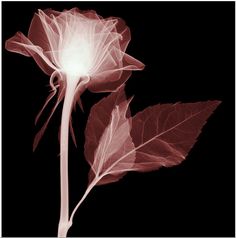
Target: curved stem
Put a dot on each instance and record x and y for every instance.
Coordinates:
(90, 187)
(64, 136)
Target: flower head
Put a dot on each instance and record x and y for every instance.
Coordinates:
(77, 47)
(81, 44)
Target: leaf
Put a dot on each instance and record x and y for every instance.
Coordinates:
(160, 135)
(108, 138)
(164, 134)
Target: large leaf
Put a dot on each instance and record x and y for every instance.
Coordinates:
(161, 135)
(164, 134)
(108, 138)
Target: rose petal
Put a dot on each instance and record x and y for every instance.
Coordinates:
(19, 43)
(53, 37)
(124, 31)
(109, 80)
(37, 34)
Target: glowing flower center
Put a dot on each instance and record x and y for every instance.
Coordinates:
(75, 57)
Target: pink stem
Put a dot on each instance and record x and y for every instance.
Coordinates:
(90, 187)
(64, 136)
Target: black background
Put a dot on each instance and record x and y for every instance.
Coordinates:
(188, 50)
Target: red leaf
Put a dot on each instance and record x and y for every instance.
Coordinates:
(161, 135)
(108, 138)
(164, 134)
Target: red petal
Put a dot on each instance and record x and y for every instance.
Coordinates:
(19, 43)
(110, 80)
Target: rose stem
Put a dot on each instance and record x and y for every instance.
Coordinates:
(90, 187)
(71, 84)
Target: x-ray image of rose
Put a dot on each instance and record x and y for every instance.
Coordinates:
(127, 92)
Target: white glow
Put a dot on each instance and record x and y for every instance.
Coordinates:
(75, 58)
